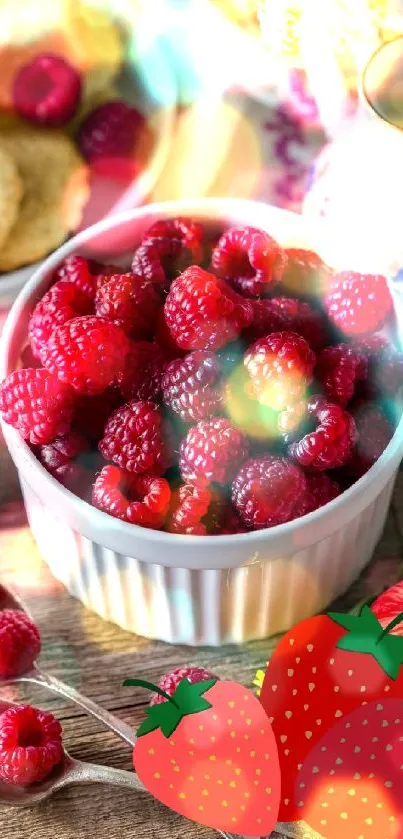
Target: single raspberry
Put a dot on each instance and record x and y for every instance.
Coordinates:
(267, 318)
(212, 452)
(331, 444)
(321, 489)
(165, 340)
(267, 491)
(170, 681)
(250, 259)
(137, 439)
(189, 232)
(37, 404)
(47, 90)
(202, 312)
(63, 302)
(20, 643)
(359, 303)
(58, 457)
(189, 510)
(92, 412)
(129, 302)
(305, 273)
(301, 318)
(374, 434)
(30, 745)
(191, 386)
(109, 139)
(160, 260)
(76, 269)
(137, 499)
(338, 369)
(141, 374)
(280, 367)
(87, 352)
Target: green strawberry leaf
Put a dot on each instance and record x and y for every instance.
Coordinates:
(187, 699)
(366, 635)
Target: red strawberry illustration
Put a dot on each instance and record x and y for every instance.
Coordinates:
(351, 784)
(322, 669)
(209, 753)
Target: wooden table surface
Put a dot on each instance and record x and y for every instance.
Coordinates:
(95, 657)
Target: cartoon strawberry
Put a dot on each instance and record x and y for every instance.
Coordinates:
(208, 752)
(322, 669)
(351, 784)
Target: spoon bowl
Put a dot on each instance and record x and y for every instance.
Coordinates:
(70, 771)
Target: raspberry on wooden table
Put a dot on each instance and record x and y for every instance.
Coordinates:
(30, 745)
(280, 367)
(47, 90)
(301, 318)
(192, 386)
(338, 369)
(268, 491)
(331, 444)
(63, 302)
(136, 438)
(169, 682)
(305, 273)
(87, 352)
(250, 259)
(358, 304)
(189, 510)
(130, 303)
(108, 138)
(137, 499)
(211, 452)
(37, 404)
(203, 312)
(141, 374)
(20, 643)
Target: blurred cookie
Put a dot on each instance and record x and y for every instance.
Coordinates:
(11, 190)
(55, 183)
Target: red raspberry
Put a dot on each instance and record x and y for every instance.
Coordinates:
(267, 318)
(158, 261)
(202, 312)
(30, 745)
(212, 452)
(129, 302)
(57, 459)
(20, 643)
(338, 370)
(191, 386)
(190, 508)
(135, 439)
(137, 499)
(374, 434)
(88, 353)
(92, 412)
(77, 270)
(47, 90)
(165, 340)
(250, 259)
(359, 303)
(189, 232)
(267, 491)
(301, 318)
(321, 489)
(330, 445)
(305, 273)
(109, 137)
(280, 367)
(141, 375)
(171, 680)
(63, 302)
(37, 404)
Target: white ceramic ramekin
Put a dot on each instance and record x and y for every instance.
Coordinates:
(188, 589)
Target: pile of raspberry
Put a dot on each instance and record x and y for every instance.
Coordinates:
(220, 384)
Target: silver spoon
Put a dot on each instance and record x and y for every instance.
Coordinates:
(9, 600)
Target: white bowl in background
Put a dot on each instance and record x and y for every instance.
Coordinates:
(189, 589)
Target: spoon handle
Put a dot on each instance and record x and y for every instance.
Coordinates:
(124, 731)
(92, 773)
